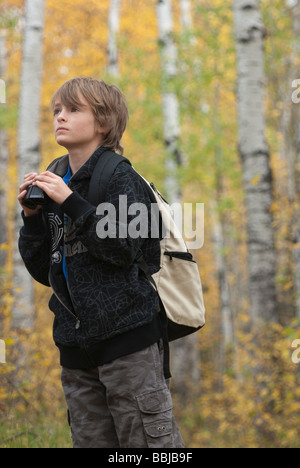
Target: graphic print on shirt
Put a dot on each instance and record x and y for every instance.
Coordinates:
(57, 232)
(69, 229)
(74, 248)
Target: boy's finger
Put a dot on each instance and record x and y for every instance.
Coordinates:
(25, 185)
(21, 195)
(49, 174)
(30, 175)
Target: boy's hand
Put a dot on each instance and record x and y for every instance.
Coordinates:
(28, 180)
(53, 186)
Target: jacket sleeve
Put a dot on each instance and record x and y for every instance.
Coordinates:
(34, 247)
(115, 231)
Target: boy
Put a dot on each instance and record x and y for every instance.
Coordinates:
(107, 324)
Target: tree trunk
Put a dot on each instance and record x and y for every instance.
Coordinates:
(113, 30)
(186, 372)
(169, 99)
(3, 158)
(227, 320)
(3, 187)
(219, 242)
(186, 15)
(28, 146)
(254, 152)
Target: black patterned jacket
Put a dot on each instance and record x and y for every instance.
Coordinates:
(107, 308)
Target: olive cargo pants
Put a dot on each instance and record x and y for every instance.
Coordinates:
(123, 404)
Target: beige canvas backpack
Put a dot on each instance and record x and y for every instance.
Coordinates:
(178, 281)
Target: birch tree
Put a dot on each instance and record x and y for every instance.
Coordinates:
(113, 30)
(3, 154)
(28, 144)
(219, 241)
(227, 323)
(254, 152)
(185, 372)
(186, 14)
(3, 168)
(170, 103)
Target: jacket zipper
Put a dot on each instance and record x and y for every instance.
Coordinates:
(77, 326)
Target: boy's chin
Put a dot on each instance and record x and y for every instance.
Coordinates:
(62, 143)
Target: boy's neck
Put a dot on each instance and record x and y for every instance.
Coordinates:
(79, 156)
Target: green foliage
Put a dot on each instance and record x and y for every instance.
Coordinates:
(49, 432)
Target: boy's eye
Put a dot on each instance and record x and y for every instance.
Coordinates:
(56, 111)
(74, 109)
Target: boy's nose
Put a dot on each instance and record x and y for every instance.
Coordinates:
(62, 116)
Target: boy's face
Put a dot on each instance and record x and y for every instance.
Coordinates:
(76, 126)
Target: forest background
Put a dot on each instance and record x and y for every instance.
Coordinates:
(236, 383)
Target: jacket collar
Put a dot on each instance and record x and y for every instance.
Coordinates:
(60, 165)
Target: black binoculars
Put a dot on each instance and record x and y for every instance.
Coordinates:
(35, 197)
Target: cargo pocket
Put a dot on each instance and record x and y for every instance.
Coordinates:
(156, 413)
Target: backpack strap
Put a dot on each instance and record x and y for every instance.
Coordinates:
(103, 172)
(59, 166)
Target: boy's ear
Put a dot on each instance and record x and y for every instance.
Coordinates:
(102, 130)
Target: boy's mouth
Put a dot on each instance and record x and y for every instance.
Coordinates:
(62, 129)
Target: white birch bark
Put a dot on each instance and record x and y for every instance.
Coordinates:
(169, 57)
(219, 237)
(254, 152)
(3, 156)
(113, 31)
(186, 18)
(219, 242)
(28, 145)
(184, 354)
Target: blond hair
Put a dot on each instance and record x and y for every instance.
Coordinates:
(107, 102)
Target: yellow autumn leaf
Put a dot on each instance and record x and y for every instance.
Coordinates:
(9, 341)
(255, 180)
(288, 286)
